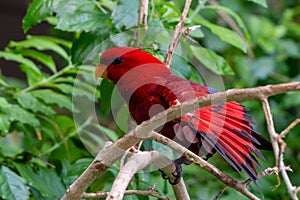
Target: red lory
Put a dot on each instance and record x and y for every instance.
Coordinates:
(149, 87)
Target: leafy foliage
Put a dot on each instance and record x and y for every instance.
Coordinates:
(43, 150)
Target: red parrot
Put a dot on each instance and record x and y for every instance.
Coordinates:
(149, 87)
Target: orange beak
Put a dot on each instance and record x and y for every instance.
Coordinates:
(100, 71)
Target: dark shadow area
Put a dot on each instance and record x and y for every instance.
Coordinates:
(11, 15)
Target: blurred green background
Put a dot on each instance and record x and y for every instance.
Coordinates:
(45, 44)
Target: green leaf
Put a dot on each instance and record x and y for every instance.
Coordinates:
(224, 34)
(74, 170)
(63, 87)
(106, 88)
(67, 79)
(236, 18)
(125, 14)
(43, 58)
(106, 131)
(26, 100)
(4, 124)
(13, 187)
(20, 59)
(38, 11)
(40, 44)
(4, 119)
(79, 16)
(180, 67)
(14, 144)
(16, 113)
(263, 67)
(86, 47)
(84, 89)
(52, 97)
(45, 180)
(3, 83)
(32, 77)
(260, 2)
(55, 40)
(212, 61)
(4, 103)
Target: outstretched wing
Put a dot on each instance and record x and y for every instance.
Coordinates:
(225, 128)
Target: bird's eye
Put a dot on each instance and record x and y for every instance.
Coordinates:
(117, 61)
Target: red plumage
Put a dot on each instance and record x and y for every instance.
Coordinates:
(149, 87)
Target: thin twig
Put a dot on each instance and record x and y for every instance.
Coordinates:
(177, 33)
(150, 192)
(288, 129)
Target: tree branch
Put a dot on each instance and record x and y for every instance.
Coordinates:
(143, 13)
(279, 147)
(136, 162)
(142, 20)
(177, 33)
(111, 153)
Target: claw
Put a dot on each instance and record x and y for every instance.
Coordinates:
(177, 174)
(163, 175)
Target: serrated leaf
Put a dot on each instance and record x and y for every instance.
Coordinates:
(224, 34)
(20, 59)
(37, 11)
(212, 61)
(51, 97)
(13, 187)
(16, 113)
(32, 76)
(84, 89)
(43, 58)
(45, 180)
(40, 44)
(55, 40)
(67, 79)
(125, 14)
(260, 2)
(63, 87)
(26, 100)
(79, 16)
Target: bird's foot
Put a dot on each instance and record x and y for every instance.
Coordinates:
(177, 174)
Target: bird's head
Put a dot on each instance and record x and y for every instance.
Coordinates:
(135, 63)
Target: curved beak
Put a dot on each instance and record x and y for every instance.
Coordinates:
(100, 71)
